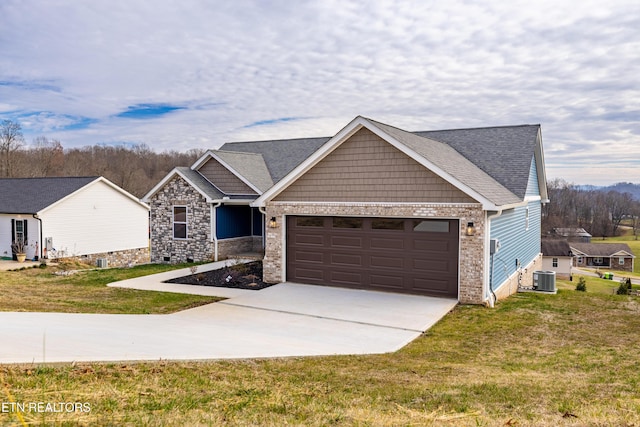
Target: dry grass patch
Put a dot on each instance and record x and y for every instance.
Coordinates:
(45, 290)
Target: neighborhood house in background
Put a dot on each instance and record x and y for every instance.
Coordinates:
(87, 218)
(454, 213)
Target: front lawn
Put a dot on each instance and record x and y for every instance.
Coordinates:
(39, 289)
(534, 360)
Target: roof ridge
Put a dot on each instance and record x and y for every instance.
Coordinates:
(479, 127)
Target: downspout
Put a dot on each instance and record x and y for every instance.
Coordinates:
(262, 210)
(214, 235)
(40, 227)
(489, 294)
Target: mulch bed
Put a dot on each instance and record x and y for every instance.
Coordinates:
(238, 276)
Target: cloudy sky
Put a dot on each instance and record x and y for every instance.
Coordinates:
(197, 73)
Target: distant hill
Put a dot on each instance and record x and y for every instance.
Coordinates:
(623, 187)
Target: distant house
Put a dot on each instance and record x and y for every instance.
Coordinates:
(451, 213)
(572, 234)
(557, 256)
(73, 217)
(616, 256)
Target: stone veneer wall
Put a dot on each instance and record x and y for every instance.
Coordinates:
(471, 247)
(124, 258)
(198, 245)
(523, 278)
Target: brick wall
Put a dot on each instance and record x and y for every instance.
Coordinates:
(471, 247)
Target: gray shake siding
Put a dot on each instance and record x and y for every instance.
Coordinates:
(198, 245)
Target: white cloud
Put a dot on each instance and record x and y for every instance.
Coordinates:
(571, 66)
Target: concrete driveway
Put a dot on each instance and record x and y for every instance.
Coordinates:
(280, 321)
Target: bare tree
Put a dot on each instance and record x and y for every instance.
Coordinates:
(11, 140)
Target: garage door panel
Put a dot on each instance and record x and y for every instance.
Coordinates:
(306, 256)
(314, 276)
(309, 239)
(431, 265)
(346, 278)
(393, 256)
(387, 243)
(354, 260)
(346, 242)
(387, 262)
(431, 285)
(436, 246)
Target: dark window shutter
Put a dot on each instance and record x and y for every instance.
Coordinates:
(24, 230)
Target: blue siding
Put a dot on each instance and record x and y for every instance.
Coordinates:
(233, 221)
(533, 189)
(516, 241)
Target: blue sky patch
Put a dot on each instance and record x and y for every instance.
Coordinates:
(148, 111)
(273, 121)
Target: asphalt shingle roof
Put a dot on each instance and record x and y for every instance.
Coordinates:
(31, 195)
(555, 248)
(503, 152)
(201, 182)
(250, 165)
(280, 156)
(601, 249)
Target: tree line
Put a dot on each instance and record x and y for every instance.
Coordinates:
(135, 168)
(600, 213)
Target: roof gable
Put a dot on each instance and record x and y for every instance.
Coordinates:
(436, 156)
(32, 195)
(365, 168)
(193, 178)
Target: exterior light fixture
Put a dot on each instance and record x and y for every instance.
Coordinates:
(471, 229)
(273, 223)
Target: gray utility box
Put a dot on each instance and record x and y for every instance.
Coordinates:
(544, 281)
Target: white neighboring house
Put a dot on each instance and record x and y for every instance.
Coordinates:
(557, 256)
(88, 218)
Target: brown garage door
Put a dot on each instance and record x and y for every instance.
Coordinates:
(414, 256)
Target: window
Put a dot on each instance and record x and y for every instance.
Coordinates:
(179, 222)
(597, 261)
(20, 230)
(387, 224)
(526, 219)
(431, 226)
(347, 222)
(621, 261)
(554, 262)
(310, 221)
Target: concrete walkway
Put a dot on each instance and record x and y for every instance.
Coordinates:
(280, 321)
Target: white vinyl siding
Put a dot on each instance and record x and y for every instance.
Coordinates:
(98, 218)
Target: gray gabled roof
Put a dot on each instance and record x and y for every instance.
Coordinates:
(504, 152)
(555, 248)
(32, 195)
(281, 156)
(200, 182)
(601, 249)
(250, 165)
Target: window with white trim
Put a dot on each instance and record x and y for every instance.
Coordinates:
(621, 261)
(179, 222)
(554, 262)
(526, 219)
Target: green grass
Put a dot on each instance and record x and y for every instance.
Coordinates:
(37, 289)
(534, 360)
